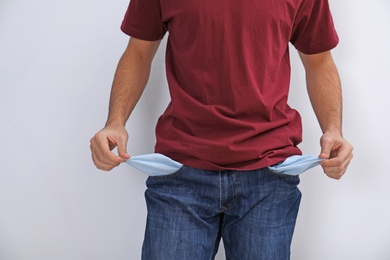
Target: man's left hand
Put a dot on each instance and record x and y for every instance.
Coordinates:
(337, 153)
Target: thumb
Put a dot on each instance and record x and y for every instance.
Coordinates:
(122, 151)
(326, 149)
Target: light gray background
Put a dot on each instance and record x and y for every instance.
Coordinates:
(57, 60)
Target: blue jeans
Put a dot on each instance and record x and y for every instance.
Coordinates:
(189, 211)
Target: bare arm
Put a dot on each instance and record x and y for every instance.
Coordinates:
(130, 79)
(324, 89)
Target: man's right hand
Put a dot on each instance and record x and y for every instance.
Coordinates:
(130, 79)
(104, 142)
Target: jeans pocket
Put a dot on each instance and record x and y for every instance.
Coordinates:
(169, 175)
(282, 175)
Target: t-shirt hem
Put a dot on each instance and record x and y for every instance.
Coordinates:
(263, 163)
(140, 35)
(244, 166)
(323, 47)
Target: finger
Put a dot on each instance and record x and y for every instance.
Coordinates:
(335, 175)
(102, 166)
(338, 157)
(122, 151)
(326, 149)
(336, 165)
(330, 145)
(333, 162)
(103, 162)
(102, 155)
(336, 171)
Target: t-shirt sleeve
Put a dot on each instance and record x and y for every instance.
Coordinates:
(143, 20)
(313, 30)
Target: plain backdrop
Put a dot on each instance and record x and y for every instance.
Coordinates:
(57, 60)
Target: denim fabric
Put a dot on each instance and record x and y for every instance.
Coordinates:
(189, 211)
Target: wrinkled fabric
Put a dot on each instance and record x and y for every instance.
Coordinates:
(296, 164)
(156, 164)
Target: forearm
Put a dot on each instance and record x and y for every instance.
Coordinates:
(130, 79)
(324, 89)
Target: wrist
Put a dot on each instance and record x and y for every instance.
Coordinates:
(115, 122)
(332, 128)
(333, 131)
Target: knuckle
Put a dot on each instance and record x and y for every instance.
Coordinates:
(326, 138)
(335, 176)
(94, 137)
(335, 173)
(104, 168)
(338, 175)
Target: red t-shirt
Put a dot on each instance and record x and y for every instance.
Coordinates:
(228, 71)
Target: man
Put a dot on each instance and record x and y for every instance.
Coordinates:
(228, 72)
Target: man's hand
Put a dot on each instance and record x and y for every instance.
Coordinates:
(337, 153)
(104, 142)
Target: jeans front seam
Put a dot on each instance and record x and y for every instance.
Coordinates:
(221, 193)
